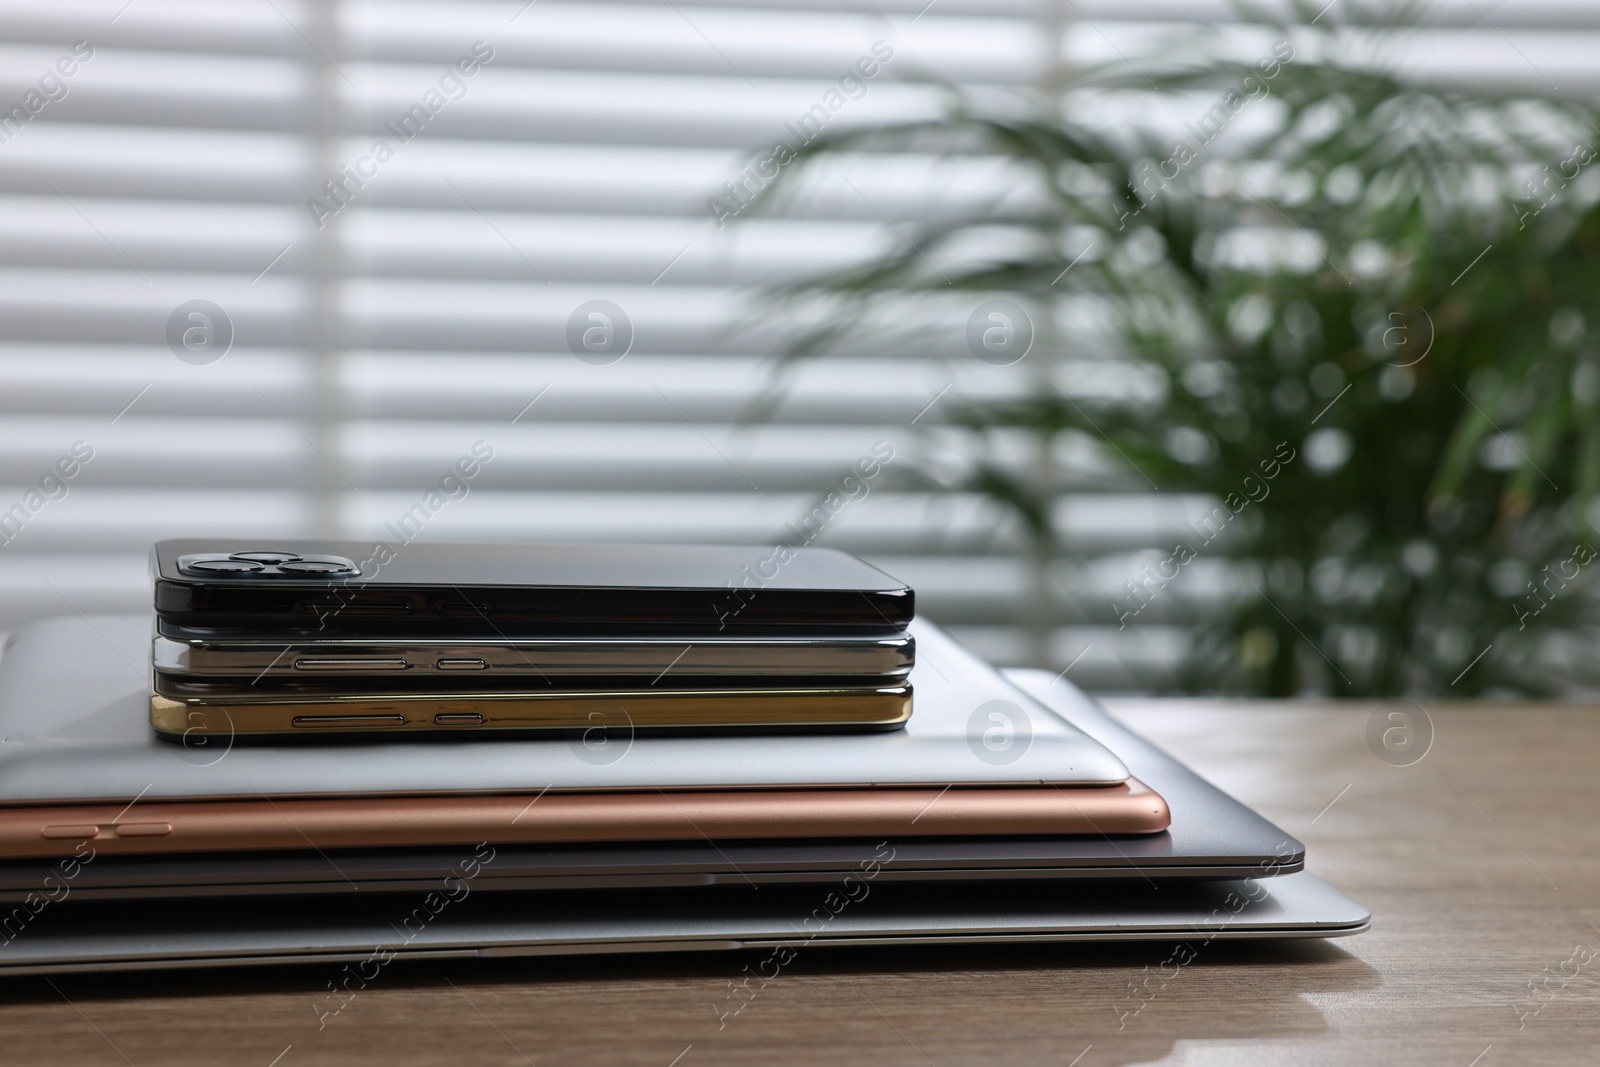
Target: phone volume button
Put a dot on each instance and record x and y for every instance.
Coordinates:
(460, 665)
(336, 609)
(339, 722)
(142, 829)
(351, 663)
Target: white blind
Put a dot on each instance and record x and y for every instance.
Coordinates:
(430, 308)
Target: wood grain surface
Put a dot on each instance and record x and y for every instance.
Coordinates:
(1480, 862)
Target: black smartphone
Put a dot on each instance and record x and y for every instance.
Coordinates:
(525, 590)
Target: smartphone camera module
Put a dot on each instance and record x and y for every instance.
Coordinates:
(266, 565)
(317, 566)
(225, 566)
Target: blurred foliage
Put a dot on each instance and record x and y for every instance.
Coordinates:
(1400, 283)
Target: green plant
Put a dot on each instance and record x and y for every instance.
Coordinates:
(1388, 300)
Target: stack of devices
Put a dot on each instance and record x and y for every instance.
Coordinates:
(531, 830)
(253, 640)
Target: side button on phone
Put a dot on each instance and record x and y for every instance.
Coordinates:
(340, 722)
(347, 663)
(457, 718)
(142, 829)
(460, 665)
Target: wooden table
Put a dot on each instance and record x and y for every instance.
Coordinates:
(1481, 864)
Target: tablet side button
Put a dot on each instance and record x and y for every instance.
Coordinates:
(83, 832)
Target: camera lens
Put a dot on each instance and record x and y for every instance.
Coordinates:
(266, 557)
(315, 566)
(225, 566)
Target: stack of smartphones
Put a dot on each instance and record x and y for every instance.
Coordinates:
(282, 638)
(578, 815)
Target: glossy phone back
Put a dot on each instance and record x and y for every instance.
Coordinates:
(524, 590)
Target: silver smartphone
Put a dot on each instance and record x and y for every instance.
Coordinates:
(210, 653)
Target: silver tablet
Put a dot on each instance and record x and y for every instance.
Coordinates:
(74, 697)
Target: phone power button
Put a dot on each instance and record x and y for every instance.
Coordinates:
(460, 665)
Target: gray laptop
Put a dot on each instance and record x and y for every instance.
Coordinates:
(372, 929)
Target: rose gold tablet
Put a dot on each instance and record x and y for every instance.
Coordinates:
(148, 826)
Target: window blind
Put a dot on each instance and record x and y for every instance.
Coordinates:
(226, 310)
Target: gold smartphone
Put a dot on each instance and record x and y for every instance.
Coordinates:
(189, 709)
